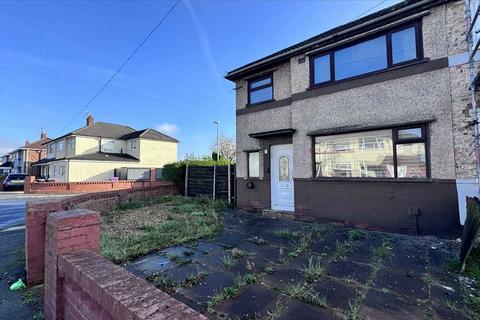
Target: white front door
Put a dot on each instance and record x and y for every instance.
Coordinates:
(281, 172)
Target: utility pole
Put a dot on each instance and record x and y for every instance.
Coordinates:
(218, 146)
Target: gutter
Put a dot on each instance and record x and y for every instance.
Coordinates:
(235, 74)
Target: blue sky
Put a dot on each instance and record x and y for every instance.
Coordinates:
(55, 55)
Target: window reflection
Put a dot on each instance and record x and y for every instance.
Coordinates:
(404, 46)
(361, 154)
(411, 162)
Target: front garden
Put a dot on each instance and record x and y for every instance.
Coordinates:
(234, 265)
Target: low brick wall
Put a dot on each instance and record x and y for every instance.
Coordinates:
(90, 186)
(81, 285)
(36, 217)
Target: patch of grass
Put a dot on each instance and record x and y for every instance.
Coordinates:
(355, 234)
(285, 234)
(229, 293)
(429, 313)
(353, 312)
(314, 270)
(227, 260)
(302, 245)
(33, 296)
(194, 279)
(164, 283)
(342, 249)
(384, 251)
(449, 304)
(179, 259)
(269, 270)
(167, 221)
(301, 292)
(258, 240)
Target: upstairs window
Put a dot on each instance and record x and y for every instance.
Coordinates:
(133, 144)
(60, 145)
(380, 53)
(108, 146)
(260, 90)
(71, 144)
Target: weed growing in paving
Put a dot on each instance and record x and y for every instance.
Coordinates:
(342, 249)
(138, 228)
(178, 259)
(164, 283)
(285, 234)
(227, 260)
(314, 270)
(34, 296)
(229, 293)
(355, 234)
(302, 246)
(238, 254)
(301, 292)
(194, 279)
(382, 252)
(258, 240)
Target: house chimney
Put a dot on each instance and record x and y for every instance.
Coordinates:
(27, 142)
(43, 135)
(90, 120)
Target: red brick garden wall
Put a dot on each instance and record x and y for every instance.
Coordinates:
(36, 217)
(91, 186)
(81, 285)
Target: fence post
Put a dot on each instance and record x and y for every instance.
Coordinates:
(229, 186)
(214, 174)
(186, 180)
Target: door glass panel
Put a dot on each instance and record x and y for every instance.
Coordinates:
(284, 174)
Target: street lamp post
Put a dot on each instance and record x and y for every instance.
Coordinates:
(218, 146)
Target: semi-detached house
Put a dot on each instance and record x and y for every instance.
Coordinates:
(100, 151)
(366, 123)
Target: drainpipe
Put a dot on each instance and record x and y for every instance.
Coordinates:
(471, 64)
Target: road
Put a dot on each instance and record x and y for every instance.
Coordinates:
(12, 207)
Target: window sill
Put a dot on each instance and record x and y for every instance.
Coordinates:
(398, 180)
(259, 103)
(396, 67)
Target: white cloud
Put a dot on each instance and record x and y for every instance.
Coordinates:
(167, 128)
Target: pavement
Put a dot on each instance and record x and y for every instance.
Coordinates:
(12, 254)
(12, 267)
(12, 207)
(273, 268)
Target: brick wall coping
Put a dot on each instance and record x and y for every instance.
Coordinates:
(120, 293)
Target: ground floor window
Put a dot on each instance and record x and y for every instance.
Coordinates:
(387, 153)
(253, 164)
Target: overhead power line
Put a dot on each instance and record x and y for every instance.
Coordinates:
(117, 71)
(367, 11)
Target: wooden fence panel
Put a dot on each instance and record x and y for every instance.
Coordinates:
(204, 181)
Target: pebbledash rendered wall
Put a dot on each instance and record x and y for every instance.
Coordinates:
(433, 91)
(80, 284)
(36, 217)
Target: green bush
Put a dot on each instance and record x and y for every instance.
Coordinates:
(175, 171)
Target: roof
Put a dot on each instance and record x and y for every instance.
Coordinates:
(104, 156)
(150, 134)
(101, 129)
(404, 8)
(39, 144)
(117, 131)
(96, 156)
(7, 164)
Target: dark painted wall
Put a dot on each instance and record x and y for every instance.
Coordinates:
(382, 205)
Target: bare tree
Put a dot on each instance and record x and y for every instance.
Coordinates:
(226, 148)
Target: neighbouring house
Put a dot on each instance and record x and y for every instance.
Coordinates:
(100, 151)
(5, 165)
(366, 123)
(23, 157)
